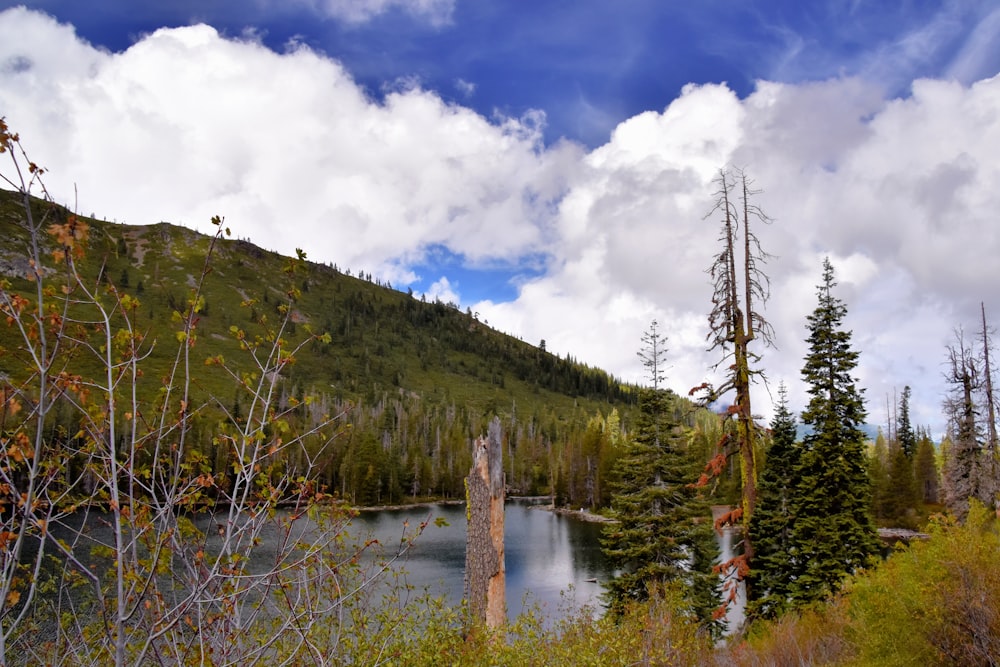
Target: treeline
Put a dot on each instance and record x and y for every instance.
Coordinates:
(401, 449)
(911, 476)
(411, 382)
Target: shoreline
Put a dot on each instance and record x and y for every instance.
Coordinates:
(580, 514)
(406, 506)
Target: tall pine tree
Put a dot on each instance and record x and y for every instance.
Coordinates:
(834, 532)
(904, 430)
(664, 529)
(771, 526)
(653, 354)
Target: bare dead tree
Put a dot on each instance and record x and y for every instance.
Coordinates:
(991, 417)
(989, 464)
(741, 288)
(962, 470)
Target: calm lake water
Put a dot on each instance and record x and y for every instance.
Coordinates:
(548, 555)
(553, 561)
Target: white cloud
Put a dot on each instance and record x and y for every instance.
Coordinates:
(466, 88)
(435, 12)
(186, 124)
(443, 291)
(899, 193)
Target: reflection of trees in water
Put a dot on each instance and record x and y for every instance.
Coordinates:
(545, 553)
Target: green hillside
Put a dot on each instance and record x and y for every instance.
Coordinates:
(418, 379)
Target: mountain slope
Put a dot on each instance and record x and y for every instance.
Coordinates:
(403, 371)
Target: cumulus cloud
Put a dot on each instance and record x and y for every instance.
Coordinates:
(899, 193)
(186, 124)
(443, 291)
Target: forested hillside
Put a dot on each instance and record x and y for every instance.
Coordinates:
(411, 381)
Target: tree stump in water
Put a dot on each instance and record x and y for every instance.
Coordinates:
(484, 553)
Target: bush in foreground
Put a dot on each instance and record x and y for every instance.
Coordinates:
(934, 602)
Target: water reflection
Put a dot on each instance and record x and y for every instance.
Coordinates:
(547, 554)
(736, 612)
(553, 561)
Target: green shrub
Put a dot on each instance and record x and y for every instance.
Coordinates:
(934, 602)
(812, 636)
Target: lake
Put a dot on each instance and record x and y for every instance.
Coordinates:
(547, 554)
(551, 558)
(553, 561)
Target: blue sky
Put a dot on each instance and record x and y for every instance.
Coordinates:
(589, 64)
(549, 165)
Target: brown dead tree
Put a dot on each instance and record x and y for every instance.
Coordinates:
(740, 289)
(484, 552)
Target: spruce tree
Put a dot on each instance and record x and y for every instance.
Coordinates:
(925, 469)
(834, 532)
(900, 505)
(653, 354)
(664, 529)
(907, 438)
(771, 525)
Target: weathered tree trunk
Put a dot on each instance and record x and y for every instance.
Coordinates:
(991, 414)
(745, 437)
(485, 585)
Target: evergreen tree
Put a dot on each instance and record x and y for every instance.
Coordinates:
(904, 430)
(925, 470)
(833, 532)
(771, 525)
(900, 504)
(991, 447)
(664, 530)
(653, 354)
(878, 474)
